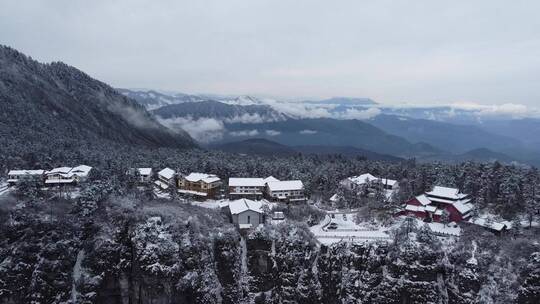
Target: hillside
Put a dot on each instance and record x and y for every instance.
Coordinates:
(222, 111)
(56, 104)
(151, 99)
(260, 146)
(445, 136)
(332, 132)
(526, 130)
(349, 101)
(483, 155)
(256, 146)
(346, 151)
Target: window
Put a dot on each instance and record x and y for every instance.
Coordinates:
(249, 219)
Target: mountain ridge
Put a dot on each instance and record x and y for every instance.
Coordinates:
(48, 102)
(262, 146)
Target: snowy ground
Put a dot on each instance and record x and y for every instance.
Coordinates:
(160, 194)
(210, 204)
(441, 229)
(215, 204)
(347, 230)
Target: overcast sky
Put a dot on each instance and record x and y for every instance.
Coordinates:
(392, 51)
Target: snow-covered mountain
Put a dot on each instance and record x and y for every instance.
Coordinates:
(447, 129)
(57, 104)
(152, 99)
(252, 113)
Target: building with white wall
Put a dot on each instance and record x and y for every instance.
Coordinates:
(246, 213)
(285, 191)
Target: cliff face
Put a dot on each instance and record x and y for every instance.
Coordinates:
(103, 249)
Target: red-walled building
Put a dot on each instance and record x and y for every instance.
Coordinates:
(434, 203)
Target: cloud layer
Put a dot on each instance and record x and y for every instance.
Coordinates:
(204, 130)
(391, 51)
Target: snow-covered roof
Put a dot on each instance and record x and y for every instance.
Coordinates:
(361, 179)
(26, 172)
(167, 173)
(415, 208)
(68, 172)
(334, 198)
(207, 178)
(161, 184)
(278, 215)
(387, 181)
(270, 179)
(242, 205)
(246, 182)
(495, 225)
(223, 204)
(430, 208)
(446, 192)
(197, 193)
(286, 185)
(145, 171)
(463, 206)
(59, 181)
(81, 170)
(423, 199)
(59, 170)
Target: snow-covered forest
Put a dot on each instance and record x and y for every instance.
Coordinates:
(303, 199)
(114, 243)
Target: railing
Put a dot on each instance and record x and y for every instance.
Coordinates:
(358, 229)
(352, 237)
(444, 234)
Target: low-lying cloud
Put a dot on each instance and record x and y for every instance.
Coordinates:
(308, 132)
(354, 113)
(508, 109)
(203, 130)
(244, 133)
(272, 132)
(300, 110)
(251, 118)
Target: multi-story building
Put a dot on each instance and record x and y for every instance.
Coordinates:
(433, 204)
(200, 184)
(251, 187)
(15, 176)
(67, 175)
(166, 178)
(285, 191)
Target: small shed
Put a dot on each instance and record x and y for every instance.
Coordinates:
(246, 213)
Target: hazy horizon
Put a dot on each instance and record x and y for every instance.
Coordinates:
(392, 52)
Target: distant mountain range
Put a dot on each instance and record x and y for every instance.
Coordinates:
(56, 103)
(151, 99)
(253, 113)
(452, 138)
(348, 101)
(260, 146)
(426, 133)
(526, 130)
(328, 132)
